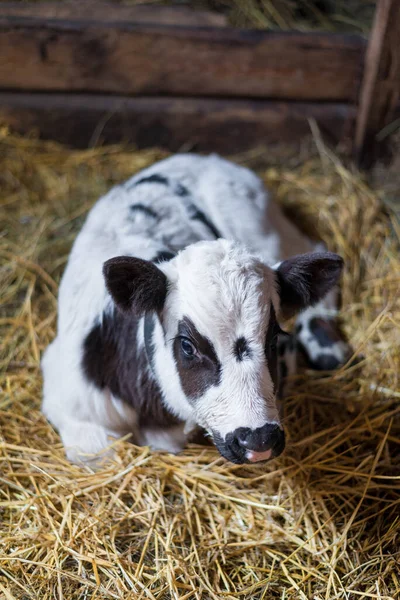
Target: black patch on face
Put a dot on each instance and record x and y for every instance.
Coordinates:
(143, 209)
(241, 349)
(112, 360)
(325, 331)
(156, 178)
(200, 371)
(163, 255)
(181, 190)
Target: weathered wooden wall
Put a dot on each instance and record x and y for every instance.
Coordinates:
(380, 90)
(204, 124)
(144, 59)
(81, 75)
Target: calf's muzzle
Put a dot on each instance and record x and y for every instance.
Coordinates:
(252, 445)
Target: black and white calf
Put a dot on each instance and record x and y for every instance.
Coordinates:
(169, 314)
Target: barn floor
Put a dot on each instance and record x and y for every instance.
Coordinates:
(321, 522)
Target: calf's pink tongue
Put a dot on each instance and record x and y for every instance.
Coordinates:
(258, 456)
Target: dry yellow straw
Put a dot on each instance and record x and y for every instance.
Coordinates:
(321, 522)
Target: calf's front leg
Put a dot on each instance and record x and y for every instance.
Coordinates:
(87, 442)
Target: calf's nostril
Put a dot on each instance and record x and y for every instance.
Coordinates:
(244, 438)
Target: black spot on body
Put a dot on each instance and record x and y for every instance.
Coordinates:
(241, 349)
(156, 178)
(146, 210)
(201, 371)
(112, 360)
(181, 190)
(198, 215)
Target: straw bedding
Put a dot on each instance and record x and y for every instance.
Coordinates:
(321, 522)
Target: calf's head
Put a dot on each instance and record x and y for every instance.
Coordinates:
(216, 310)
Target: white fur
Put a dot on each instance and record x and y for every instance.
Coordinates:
(224, 286)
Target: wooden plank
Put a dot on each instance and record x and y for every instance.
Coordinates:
(174, 123)
(104, 11)
(380, 92)
(41, 54)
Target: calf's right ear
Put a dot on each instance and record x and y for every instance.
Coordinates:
(137, 286)
(305, 279)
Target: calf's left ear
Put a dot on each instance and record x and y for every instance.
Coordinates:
(136, 285)
(305, 279)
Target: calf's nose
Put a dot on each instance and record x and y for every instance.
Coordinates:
(262, 443)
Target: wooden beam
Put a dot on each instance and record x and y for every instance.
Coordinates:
(174, 123)
(380, 91)
(104, 11)
(39, 54)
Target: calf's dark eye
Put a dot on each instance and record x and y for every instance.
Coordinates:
(187, 348)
